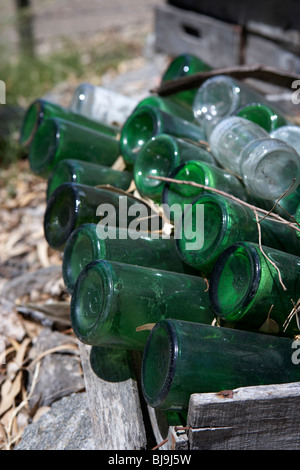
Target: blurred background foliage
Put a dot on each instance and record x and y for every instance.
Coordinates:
(47, 42)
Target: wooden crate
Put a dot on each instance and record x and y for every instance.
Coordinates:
(222, 43)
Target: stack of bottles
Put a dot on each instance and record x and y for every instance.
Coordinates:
(210, 305)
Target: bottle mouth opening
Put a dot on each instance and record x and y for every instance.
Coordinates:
(82, 247)
(191, 171)
(159, 363)
(140, 127)
(203, 228)
(90, 304)
(61, 215)
(157, 158)
(277, 167)
(44, 146)
(32, 120)
(234, 281)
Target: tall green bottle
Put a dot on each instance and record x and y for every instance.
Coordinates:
(181, 66)
(57, 139)
(168, 105)
(90, 243)
(159, 157)
(181, 358)
(147, 122)
(41, 109)
(214, 222)
(111, 300)
(91, 174)
(194, 171)
(245, 288)
(72, 205)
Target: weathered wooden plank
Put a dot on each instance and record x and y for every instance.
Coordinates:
(259, 50)
(254, 418)
(115, 405)
(178, 31)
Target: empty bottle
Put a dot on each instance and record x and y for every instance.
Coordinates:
(214, 222)
(40, 110)
(90, 243)
(72, 204)
(178, 195)
(267, 166)
(168, 105)
(289, 134)
(101, 104)
(245, 288)
(181, 358)
(262, 114)
(91, 174)
(57, 139)
(111, 300)
(219, 97)
(182, 66)
(147, 122)
(159, 157)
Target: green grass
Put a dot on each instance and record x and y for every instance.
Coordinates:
(28, 78)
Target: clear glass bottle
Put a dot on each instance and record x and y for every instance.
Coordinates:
(73, 204)
(245, 288)
(159, 157)
(262, 114)
(289, 134)
(40, 110)
(101, 104)
(91, 174)
(111, 300)
(147, 122)
(57, 139)
(229, 138)
(88, 243)
(219, 97)
(182, 358)
(225, 222)
(202, 173)
(267, 166)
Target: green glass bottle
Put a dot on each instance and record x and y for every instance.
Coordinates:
(41, 109)
(57, 139)
(73, 204)
(90, 243)
(168, 105)
(214, 222)
(91, 174)
(178, 195)
(181, 358)
(159, 157)
(181, 66)
(147, 122)
(245, 288)
(111, 300)
(265, 116)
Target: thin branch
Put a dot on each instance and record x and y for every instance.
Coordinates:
(279, 199)
(258, 71)
(223, 193)
(264, 254)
